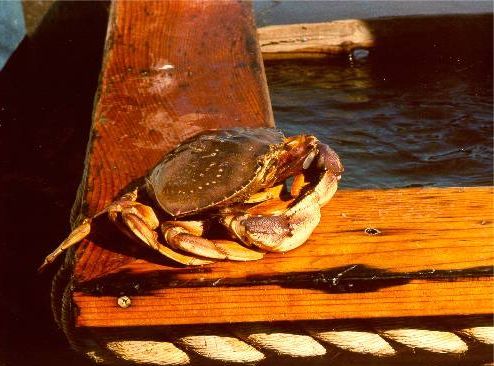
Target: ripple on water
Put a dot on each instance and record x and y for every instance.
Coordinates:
(395, 124)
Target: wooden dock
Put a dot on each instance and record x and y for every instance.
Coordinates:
(173, 69)
(404, 259)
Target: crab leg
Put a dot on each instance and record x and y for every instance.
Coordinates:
(78, 234)
(277, 233)
(179, 237)
(268, 194)
(297, 185)
(137, 220)
(83, 230)
(141, 221)
(143, 231)
(290, 229)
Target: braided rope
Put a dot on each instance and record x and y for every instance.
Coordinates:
(264, 341)
(251, 343)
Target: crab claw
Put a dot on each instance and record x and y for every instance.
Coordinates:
(331, 167)
(293, 226)
(277, 233)
(179, 237)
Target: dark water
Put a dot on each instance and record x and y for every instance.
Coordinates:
(395, 120)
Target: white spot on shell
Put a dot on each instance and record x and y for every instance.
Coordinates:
(207, 183)
(218, 175)
(199, 187)
(220, 170)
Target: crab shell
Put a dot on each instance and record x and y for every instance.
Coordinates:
(220, 167)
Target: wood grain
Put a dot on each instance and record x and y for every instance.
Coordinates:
(433, 256)
(274, 303)
(310, 40)
(171, 69)
(314, 39)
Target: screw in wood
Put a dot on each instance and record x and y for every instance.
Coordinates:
(124, 302)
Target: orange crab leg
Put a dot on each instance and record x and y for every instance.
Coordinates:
(78, 234)
(298, 184)
(270, 193)
(149, 237)
(182, 239)
(138, 220)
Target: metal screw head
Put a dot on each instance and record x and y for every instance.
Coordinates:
(124, 302)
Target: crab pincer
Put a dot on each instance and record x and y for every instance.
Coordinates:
(291, 226)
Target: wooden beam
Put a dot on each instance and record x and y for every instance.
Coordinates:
(171, 69)
(376, 253)
(313, 40)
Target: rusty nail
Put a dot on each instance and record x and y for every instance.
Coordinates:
(124, 302)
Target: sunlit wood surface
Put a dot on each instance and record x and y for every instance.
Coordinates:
(312, 40)
(376, 253)
(172, 69)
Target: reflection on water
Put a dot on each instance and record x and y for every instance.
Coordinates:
(408, 120)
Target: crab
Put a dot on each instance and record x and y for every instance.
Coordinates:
(237, 178)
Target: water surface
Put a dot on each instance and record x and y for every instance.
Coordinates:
(397, 119)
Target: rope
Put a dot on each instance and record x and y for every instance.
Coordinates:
(148, 352)
(353, 339)
(279, 341)
(252, 343)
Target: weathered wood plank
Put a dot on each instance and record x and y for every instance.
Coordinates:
(274, 303)
(308, 40)
(171, 69)
(159, 85)
(314, 39)
(433, 256)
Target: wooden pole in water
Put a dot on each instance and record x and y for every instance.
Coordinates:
(341, 37)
